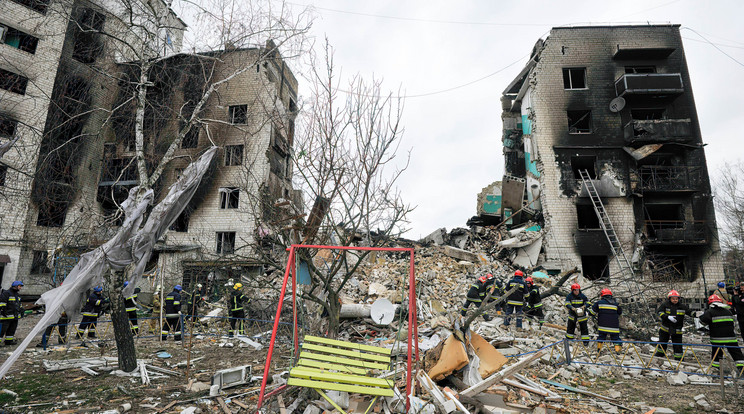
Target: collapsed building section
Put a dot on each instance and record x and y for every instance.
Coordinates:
(602, 147)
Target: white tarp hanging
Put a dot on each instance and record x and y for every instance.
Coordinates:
(130, 245)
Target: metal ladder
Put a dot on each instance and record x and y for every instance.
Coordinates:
(626, 268)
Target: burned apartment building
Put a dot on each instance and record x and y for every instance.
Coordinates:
(603, 151)
(66, 88)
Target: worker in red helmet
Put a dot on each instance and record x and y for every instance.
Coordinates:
(515, 301)
(534, 302)
(672, 314)
(576, 304)
(479, 292)
(720, 321)
(607, 311)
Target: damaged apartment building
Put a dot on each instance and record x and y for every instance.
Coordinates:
(603, 152)
(67, 85)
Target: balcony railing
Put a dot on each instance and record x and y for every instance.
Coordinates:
(668, 179)
(658, 131)
(657, 84)
(676, 232)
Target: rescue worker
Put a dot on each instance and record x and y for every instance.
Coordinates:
(738, 300)
(576, 303)
(722, 293)
(237, 313)
(607, 311)
(515, 301)
(155, 315)
(10, 312)
(720, 321)
(477, 294)
(91, 311)
(194, 302)
(672, 314)
(130, 304)
(172, 314)
(61, 326)
(534, 302)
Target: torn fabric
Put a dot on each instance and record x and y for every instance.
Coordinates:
(6, 147)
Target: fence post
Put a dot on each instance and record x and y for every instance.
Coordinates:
(567, 350)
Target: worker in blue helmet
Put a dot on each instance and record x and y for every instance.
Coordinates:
(10, 312)
(172, 314)
(723, 293)
(91, 312)
(130, 305)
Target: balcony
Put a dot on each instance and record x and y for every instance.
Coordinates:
(655, 85)
(676, 232)
(652, 178)
(658, 131)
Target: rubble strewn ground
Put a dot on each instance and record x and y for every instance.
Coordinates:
(593, 383)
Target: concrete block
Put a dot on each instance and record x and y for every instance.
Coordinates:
(460, 254)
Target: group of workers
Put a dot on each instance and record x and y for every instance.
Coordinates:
(524, 297)
(96, 304)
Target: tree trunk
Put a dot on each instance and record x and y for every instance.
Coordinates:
(334, 312)
(122, 331)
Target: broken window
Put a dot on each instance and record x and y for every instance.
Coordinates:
(640, 69)
(13, 82)
(182, 221)
(647, 114)
(586, 217)
(233, 155)
(668, 268)
(579, 122)
(226, 242)
(35, 5)
(18, 39)
(595, 267)
(574, 78)
(88, 45)
(7, 127)
(191, 139)
(3, 174)
(584, 162)
(39, 263)
(229, 197)
(238, 114)
(52, 212)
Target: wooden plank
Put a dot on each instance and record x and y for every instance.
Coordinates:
(327, 365)
(241, 405)
(504, 373)
(518, 384)
(223, 405)
(346, 353)
(280, 401)
(344, 361)
(368, 348)
(318, 375)
(383, 392)
(171, 404)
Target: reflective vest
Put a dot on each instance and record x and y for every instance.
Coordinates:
(172, 304)
(92, 306)
(10, 305)
(721, 323)
(608, 312)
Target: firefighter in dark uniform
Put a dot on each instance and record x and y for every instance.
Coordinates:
(720, 321)
(738, 299)
(172, 314)
(91, 311)
(576, 303)
(237, 311)
(478, 293)
(515, 301)
(608, 312)
(130, 304)
(534, 302)
(195, 300)
(10, 312)
(672, 314)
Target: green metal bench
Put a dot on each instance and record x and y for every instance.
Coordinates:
(329, 364)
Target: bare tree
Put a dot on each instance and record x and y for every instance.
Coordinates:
(729, 202)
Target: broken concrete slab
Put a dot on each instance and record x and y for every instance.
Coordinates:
(679, 378)
(436, 237)
(460, 254)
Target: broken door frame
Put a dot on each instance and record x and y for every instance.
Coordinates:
(413, 351)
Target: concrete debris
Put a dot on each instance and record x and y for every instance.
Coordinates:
(679, 378)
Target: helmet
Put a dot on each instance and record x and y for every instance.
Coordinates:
(16, 283)
(199, 286)
(673, 294)
(605, 292)
(721, 285)
(98, 289)
(178, 288)
(238, 286)
(489, 275)
(714, 298)
(575, 286)
(126, 283)
(518, 273)
(529, 280)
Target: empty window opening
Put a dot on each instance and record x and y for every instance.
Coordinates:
(640, 69)
(647, 114)
(596, 267)
(579, 122)
(586, 217)
(39, 263)
(238, 114)
(182, 221)
(668, 268)
(229, 197)
(233, 155)
(88, 45)
(574, 78)
(18, 39)
(13, 82)
(584, 162)
(226, 242)
(665, 212)
(191, 139)
(3, 174)
(8, 127)
(52, 213)
(35, 5)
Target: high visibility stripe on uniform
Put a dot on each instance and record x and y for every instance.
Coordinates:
(610, 330)
(515, 303)
(131, 309)
(537, 306)
(171, 315)
(570, 336)
(610, 307)
(724, 340)
(95, 315)
(98, 302)
(717, 319)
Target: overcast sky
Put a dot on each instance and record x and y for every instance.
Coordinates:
(461, 55)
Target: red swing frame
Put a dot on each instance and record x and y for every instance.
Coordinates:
(413, 351)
